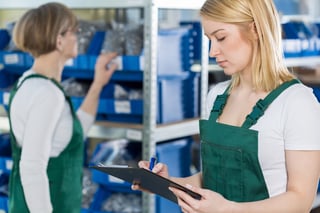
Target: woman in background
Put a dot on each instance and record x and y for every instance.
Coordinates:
(260, 145)
(47, 134)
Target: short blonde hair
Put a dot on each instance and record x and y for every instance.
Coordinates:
(268, 68)
(37, 30)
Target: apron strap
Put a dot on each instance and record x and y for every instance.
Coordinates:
(17, 86)
(219, 104)
(260, 107)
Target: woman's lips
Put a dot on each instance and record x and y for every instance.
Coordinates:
(222, 63)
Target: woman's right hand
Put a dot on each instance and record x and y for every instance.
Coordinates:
(160, 169)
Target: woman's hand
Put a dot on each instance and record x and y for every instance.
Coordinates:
(210, 201)
(160, 169)
(104, 68)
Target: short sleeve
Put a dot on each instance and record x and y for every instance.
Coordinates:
(302, 121)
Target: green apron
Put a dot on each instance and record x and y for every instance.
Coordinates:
(230, 164)
(64, 172)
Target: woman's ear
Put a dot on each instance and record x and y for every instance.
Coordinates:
(253, 30)
(59, 45)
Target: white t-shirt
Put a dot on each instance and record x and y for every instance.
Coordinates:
(42, 124)
(291, 122)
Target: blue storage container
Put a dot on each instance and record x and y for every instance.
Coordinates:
(4, 204)
(316, 92)
(288, 7)
(7, 79)
(85, 211)
(175, 153)
(5, 146)
(299, 39)
(4, 38)
(178, 99)
(175, 51)
(173, 62)
(196, 35)
(5, 165)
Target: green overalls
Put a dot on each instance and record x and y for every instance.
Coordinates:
(64, 172)
(230, 164)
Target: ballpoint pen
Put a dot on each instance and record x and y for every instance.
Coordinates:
(152, 162)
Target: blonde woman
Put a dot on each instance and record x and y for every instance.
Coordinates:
(47, 134)
(260, 145)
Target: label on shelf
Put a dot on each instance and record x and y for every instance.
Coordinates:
(141, 61)
(118, 60)
(69, 62)
(134, 134)
(122, 107)
(9, 164)
(11, 58)
(5, 97)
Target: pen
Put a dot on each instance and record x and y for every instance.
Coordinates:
(152, 162)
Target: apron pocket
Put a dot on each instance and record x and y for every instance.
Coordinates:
(223, 170)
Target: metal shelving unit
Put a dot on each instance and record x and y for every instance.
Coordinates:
(149, 132)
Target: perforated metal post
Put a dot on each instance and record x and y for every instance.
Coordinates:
(150, 92)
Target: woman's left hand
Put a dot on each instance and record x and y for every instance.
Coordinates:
(210, 201)
(104, 68)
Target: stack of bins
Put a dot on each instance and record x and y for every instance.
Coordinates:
(178, 87)
(175, 153)
(5, 168)
(300, 39)
(175, 55)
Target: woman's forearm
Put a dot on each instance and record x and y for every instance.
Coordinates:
(194, 180)
(91, 101)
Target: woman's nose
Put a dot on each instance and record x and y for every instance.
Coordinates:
(214, 51)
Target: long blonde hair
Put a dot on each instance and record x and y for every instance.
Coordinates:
(268, 68)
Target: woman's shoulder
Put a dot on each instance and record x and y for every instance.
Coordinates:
(298, 98)
(218, 89)
(300, 92)
(39, 87)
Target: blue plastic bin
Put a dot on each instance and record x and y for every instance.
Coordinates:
(4, 38)
(178, 99)
(175, 153)
(316, 92)
(299, 39)
(5, 146)
(4, 204)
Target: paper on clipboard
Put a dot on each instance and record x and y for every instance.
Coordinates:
(147, 180)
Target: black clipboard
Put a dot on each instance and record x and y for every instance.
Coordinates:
(147, 180)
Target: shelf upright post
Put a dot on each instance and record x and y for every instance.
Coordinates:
(204, 74)
(150, 92)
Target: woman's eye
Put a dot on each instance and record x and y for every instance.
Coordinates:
(221, 39)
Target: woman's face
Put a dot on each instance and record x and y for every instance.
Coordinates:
(69, 44)
(232, 50)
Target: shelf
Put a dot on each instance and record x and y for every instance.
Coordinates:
(308, 61)
(78, 4)
(84, 4)
(114, 130)
(149, 133)
(303, 61)
(163, 132)
(177, 4)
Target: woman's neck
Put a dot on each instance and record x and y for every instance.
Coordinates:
(49, 65)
